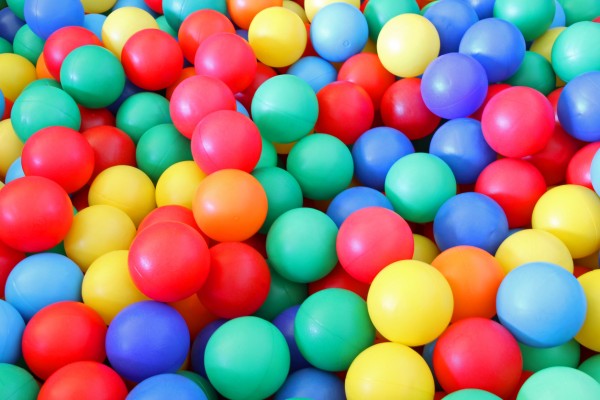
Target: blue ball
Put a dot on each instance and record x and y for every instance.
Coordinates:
(316, 71)
(15, 171)
(44, 17)
(460, 143)
(353, 199)
(541, 304)
(167, 386)
(9, 24)
(374, 153)
(497, 44)
(470, 219)
(595, 172)
(241, 109)
(338, 31)
(11, 333)
(199, 346)
(94, 22)
(285, 323)
(43, 279)
(579, 107)
(483, 8)
(146, 339)
(454, 86)
(312, 383)
(451, 18)
(560, 18)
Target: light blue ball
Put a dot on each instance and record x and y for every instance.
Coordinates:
(167, 386)
(560, 18)
(94, 22)
(15, 171)
(11, 333)
(316, 71)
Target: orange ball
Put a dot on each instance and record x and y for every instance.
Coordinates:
(230, 205)
(242, 12)
(474, 276)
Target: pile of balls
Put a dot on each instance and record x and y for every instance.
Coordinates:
(323, 199)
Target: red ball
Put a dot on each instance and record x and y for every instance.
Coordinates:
(9, 257)
(172, 213)
(155, 5)
(345, 111)
(403, 108)
(169, 261)
(263, 72)
(477, 353)
(60, 154)
(238, 282)
(226, 140)
(493, 90)
(84, 380)
(61, 42)
(35, 214)
(111, 147)
(63, 333)
(367, 71)
(91, 118)
(372, 238)
(515, 185)
(339, 278)
(228, 57)
(196, 97)
(152, 59)
(198, 26)
(578, 169)
(518, 122)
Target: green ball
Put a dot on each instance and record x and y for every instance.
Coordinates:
(41, 107)
(283, 294)
(285, 109)
(471, 394)
(580, 10)
(532, 17)
(177, 11)
(205, 385)
(417, 186)
(17, 384)
(577, 50)
(159, 148)
(268, 155)
(301, 245)
(142, 111)
(332, 327)
(43, 82)
(559, 383)
(28, 44)
(5, 46)
(591, 366)
(378, 12)
(247, 358)
(535, 72)
(93, 76)
(17, 7)
(282, 190)
(535, 359)
(322, 164)
(164, 26)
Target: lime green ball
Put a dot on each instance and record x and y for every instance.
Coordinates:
(247, 358)
(591, 366)
(471, 394)
(580, 10)
(332, 327)
(5, 46)
(379, 12)
(535, 358)
(205, 385)
(418, 184)
(142, 111)
(535, 72)
(532, 17)
(301, 245)
(93, 76)
(283, 294)
(28, 44)
(577, 50)
(17, 384)
(560, 383)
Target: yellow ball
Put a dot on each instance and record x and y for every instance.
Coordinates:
(296, 8)
(410, 302)
(313, 6)
(97, 6)
(425, 249)
(533, 245)
(278, 36)
(178, 184)
(107, 285)
(407, 44)
(389, 371)
(16, 72)
(126, 188)
(122, 24)
(572, 214)
(589, 334)
(543, 44)
(10, 147)
(97, 230)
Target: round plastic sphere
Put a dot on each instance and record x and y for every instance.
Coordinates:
(535, 72)
(418, 184)
(471, 394)
(169, 213)
(242, 13)
(9, 258)
(285, 108)
(410, 302)
(407, 44)
(12, 146)
(42, 18)
(451, 19)
(92, 118)
(122, 24)
(577, 112)
(400, 372)
(198, 26)
(37, 108)
(301, 245)
(15, 171)
(477, 353)
(111, 147)
(379, 12)
(572, 214)
(560, 382)
(62, 42)
(28, 44)
(35, 214)
(277, 36)
(315, 71)
(285, 322)
(582, 167)
(17, 383)
(83, 379)
(312, 7)
(17, 73)
(97, 230)
(425, 249)
(11, 335)
(353, 199)
(160, 147)
(312, 383)
(566, 355)
(142, 111)
(571, 55)
(94, 22)
(60, 334)
(10, 24)
(366, 70)
(258, 360)
(166, 385)
(282, 295)
(518, 122)
(177, 184)
(588, 335)
(199, 345)
(590, 366)
(497, 44)
(177, 11)
(532, 18)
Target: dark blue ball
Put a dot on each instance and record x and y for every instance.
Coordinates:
(199, 345)
(285, 323)
(312, 383)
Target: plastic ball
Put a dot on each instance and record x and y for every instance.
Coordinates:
(198, 349)
(379, 12)
(16, 73)
(9, 258)
(242, 13)
(62, 42)
(339, 278)
(285, 108)
(142, 111)
(576, 11)
(28, 44)
(35, 214)
(410, 302)
(577, 111)
(543, 45)
(258, 360)
(94, 22)
(571, 55)
(17, 383)
(558, 382)
(10, 24)
(366, 70)
(451, 19)
(311, 383)
(92, 118)
(535, 72)
(177, 184)
(400, 372)
(198, 26)
(42, 18)
(169, 213)
(353, 199)
(590, 366)
(164, 385)
(315, 71)
(177, 11)
(565, 355)
(285, 322)
(122, 24)
(282, 295)
(532, 18)
(111, 147)
(15, 171)
(12, 146)
(588, 335)
(11, 335)
(582, 167)
(312, 7)
(202, 382)
(471, 394)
